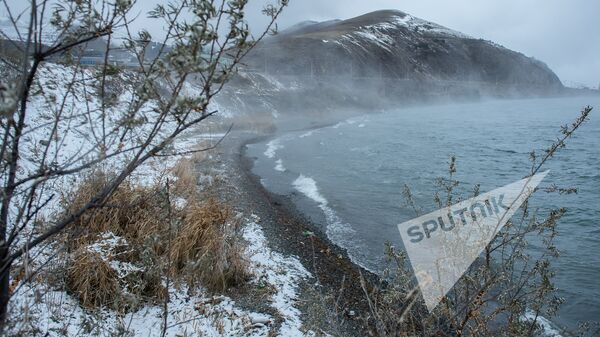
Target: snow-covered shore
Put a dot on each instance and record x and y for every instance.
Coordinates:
(40, 310)
(40, 307)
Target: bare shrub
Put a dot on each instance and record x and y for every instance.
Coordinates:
(61, 117)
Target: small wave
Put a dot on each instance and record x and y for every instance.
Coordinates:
(547, 327)
(210, 135)
(308, 187)
(361, 125)
(307, 134)
(337, 231)
(592, 177)
(272, 148)
(507, 151)
(279, 165)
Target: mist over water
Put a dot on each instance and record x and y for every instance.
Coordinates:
(349, 177)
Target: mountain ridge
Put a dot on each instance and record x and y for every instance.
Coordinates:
(396, 45)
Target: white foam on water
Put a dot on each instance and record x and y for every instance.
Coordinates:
(337, 231)
(308, 187)
(272, 148)
(307, 134)
(279, 166)
(210, 135)
(547, 327)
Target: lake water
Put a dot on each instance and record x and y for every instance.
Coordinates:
(350, 177)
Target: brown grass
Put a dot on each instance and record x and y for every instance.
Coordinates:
(92, 280)
(207, 247)
(134, 213)
(199, 245)
(185, 171)
(187, 178)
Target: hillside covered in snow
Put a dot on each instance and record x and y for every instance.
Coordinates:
(403, 56)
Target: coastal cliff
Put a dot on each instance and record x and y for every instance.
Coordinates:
(380, 59)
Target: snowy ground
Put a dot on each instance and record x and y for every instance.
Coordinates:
(38, 309)
(56, 313)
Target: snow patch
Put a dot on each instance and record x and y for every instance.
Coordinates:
(418, 24)
(56, 313)
(283, 272)
(379, 34)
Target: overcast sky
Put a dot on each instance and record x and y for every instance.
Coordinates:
(563, 33)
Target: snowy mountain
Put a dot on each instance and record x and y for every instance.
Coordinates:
(393, 45)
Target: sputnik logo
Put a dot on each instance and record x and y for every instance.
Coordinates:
(443, 244)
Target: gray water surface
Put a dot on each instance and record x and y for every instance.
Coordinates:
(350, 177)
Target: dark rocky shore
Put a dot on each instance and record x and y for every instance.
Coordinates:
(333, 300)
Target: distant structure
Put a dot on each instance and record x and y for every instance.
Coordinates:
(92, 57)
(116, 57)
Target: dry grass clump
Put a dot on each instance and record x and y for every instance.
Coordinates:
(207, 247)
(137, 216)
(142, 230)
(133, 212)
(92, 280)
(185, 171)
(187, 178)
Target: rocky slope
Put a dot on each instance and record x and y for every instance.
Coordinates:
(400, 56)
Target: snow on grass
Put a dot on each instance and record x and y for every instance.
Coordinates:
(38, 308)
(379, 38)
(55, 313)
(106, 246)
(47, 312)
